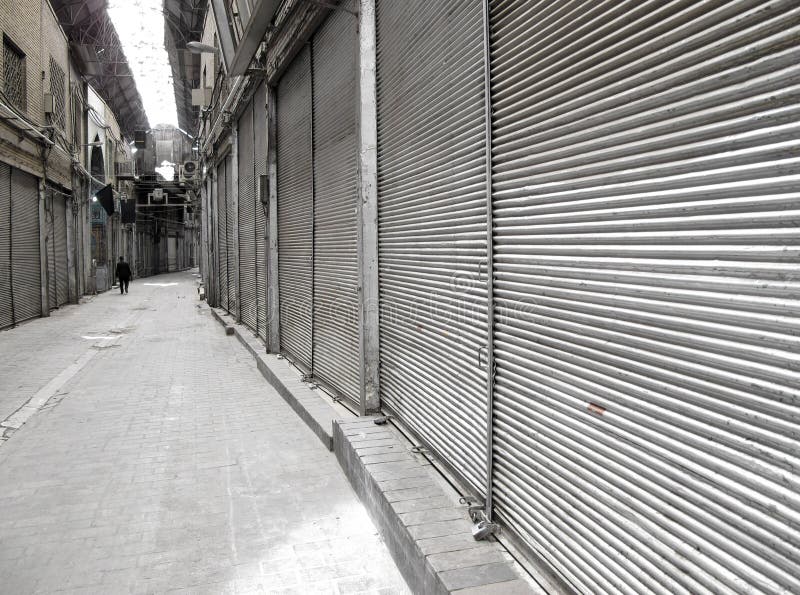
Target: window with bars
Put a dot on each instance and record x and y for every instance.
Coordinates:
(58, 89)
(15, 82)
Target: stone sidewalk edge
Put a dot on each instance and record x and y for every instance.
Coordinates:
(434, 556)
(308, 404)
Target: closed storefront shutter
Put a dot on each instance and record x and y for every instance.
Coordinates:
(646, 247)
(432, 224)
(6, 304)
(26, 269)
(335, 202)
(60, 243)
(50, 244)
(295, 209)
(230, 237)
(222, 236)
(247, 222)
(260, 163)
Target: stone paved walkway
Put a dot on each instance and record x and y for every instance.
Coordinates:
(164, 462)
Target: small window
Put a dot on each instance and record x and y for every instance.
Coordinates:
(16, 84)
(57, 88)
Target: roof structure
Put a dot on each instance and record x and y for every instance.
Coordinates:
(184, 23)
(96, 46)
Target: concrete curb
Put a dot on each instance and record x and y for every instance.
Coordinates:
(307, 403)
(427, 531)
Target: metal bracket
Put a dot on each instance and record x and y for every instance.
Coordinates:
(418, 449)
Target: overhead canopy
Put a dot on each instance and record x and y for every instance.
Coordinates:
(96, 46)
(184, 23)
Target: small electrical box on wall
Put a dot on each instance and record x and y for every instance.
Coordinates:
(49, 105)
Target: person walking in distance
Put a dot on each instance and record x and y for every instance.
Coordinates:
(124, 275)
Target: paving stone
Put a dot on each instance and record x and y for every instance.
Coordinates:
(473, 576)
(169, 464)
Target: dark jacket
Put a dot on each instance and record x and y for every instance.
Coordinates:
(123, 270)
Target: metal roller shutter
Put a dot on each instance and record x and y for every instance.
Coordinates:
(295, 209)
(230, 237)
(335, 203)
(60, 243)
(52, 292)
(247, 220)
(25, 252)
(6, 296)
(432, 224)
(260, 159)
(646, 248)
(222, 235)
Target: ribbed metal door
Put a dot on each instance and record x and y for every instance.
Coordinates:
(260, 163)
(25, 255)
(247, 219)
(60, 244)
(432, 224)
(295, 209)
(335, 202)
(230, 237)
(50, 246)
(222, 235)
(6, 305)
(646, 257)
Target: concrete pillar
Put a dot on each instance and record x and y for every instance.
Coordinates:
(369, 336)
(273, 281)
(235, 196)
(43, 250)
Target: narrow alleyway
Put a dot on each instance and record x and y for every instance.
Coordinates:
(164, 461)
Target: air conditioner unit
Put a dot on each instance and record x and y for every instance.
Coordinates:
(189, 171)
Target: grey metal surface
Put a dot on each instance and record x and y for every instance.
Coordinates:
(336, 361)
(222, 234)
(260, 163)
(230, 237)
(50, 249)
(60, 244)
(432, 224)
(25, 255)
(6, 303)
(646, 249)
(295, 209)
(247, 220)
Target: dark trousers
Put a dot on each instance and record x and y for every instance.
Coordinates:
(123, 285)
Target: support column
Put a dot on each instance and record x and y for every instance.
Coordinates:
(273, 281)
(369, 319)
(43, 250)
(235, 196)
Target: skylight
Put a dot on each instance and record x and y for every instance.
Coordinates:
(140, 27)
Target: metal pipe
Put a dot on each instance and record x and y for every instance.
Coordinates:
(489, 268)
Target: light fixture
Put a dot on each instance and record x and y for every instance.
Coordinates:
(94, 199)
(133, 150)
(197, 47)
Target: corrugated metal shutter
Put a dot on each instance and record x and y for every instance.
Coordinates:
(222, 235)
(60, 243)
(295, 209)
(432, 224)
(645, 210)
(6, 304)
(247, 220)
(230, 237)
(260, 159)
(335, 202)
(25, 252)
(50, 245)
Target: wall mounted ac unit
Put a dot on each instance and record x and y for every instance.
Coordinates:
(189, 171)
